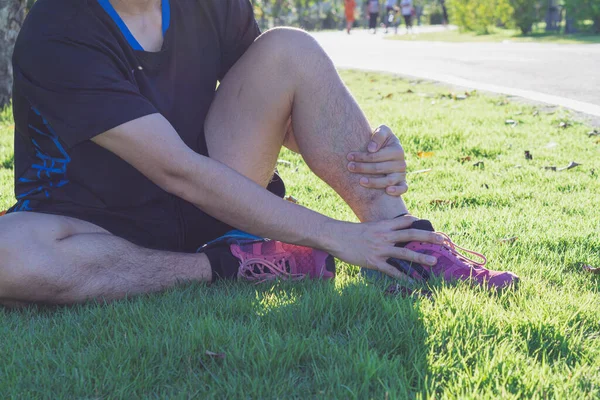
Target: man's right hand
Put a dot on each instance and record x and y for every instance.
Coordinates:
(370, 244)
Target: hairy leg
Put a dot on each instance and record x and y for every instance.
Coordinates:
(59, 260)
(286, 73)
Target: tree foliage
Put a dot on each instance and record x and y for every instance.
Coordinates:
(525, 13)
(584, 10)
(479, 15)
(308, 14)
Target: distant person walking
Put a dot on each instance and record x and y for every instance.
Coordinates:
(350, 6)
(407, 11)
(389, 13)
(373, 13)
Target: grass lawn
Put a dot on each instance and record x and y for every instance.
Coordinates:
(347, 339)
(499, 35)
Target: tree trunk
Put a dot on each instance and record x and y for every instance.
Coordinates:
(12, 14)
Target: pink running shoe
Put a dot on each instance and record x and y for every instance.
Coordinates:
(453, 265)
(268, 260)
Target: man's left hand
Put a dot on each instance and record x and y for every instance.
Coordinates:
(383, 164)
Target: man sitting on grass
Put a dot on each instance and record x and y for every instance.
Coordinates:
(127, 159)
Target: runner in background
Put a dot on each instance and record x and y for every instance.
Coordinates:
(389, 14)
(407, 11)
(373, 13)
(350, 6)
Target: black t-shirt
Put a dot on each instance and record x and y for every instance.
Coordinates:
(78, 74)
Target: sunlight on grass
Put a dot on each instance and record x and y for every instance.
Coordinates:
(348, 339)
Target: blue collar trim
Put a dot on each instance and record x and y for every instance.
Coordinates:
(110, 10)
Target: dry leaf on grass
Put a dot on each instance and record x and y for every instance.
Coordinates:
(212, 354)
(465, 159)
(509, 240)
(409, 91)
(440, 202)
(425, 154)
(388, 96)
(591, 269)
(291, 199)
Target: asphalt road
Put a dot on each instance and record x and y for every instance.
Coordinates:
(566, 75)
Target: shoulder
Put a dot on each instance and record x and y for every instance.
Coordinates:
(65, 42)
(51, 19)
(55, 27)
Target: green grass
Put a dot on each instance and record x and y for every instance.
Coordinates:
(500, 35)
(347, 339)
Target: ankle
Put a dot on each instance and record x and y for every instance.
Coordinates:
(223, 264)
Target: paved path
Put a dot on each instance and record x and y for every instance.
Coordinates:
(566, 75)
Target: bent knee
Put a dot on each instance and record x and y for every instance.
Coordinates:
(22, 270)
(29, 277)
(291, 46)
(25, 259)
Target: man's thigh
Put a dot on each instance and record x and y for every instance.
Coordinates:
(250, 116)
